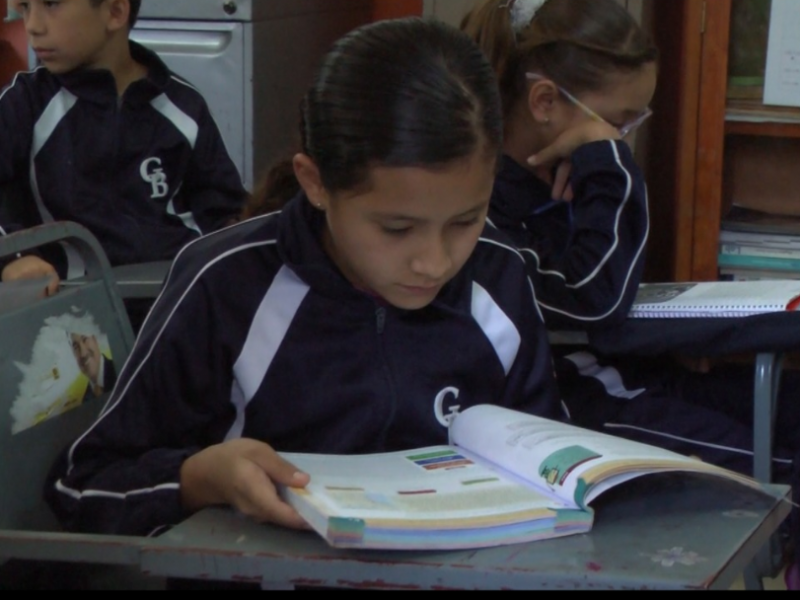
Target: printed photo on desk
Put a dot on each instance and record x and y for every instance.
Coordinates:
(715, 299)
(70, 364)
(506, 478)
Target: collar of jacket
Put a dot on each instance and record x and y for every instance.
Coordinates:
(99, 85)
(299, 244)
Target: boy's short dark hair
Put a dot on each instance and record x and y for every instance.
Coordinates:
(135, 6)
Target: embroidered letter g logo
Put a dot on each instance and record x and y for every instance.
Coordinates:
(438, 406)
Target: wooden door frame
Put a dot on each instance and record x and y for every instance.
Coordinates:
(684, 161)
(711, 139)
(670, 162)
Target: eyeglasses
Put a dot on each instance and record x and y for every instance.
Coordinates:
(624, 131)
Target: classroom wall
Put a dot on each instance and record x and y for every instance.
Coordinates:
(13, 47)
(449, 11)
(452, 11)
(13, 43)
(391, 9)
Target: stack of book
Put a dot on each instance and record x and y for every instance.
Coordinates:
(756, 245)
(753, 110)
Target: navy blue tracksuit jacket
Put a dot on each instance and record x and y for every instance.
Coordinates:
(146, 173)
(258, 335)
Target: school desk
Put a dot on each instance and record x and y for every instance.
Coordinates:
(138, 280)
(668, 532)
(768, 337)
(141, 280)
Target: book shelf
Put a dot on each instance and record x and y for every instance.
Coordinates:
(778, 130)
(709, 148)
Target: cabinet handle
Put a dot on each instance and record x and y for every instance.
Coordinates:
(175, 41)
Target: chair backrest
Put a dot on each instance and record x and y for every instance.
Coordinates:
(48, 349)
(142, 280)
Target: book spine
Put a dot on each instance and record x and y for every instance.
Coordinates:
(756, 238)
(737, 249)
(735, 274)
(767, 263)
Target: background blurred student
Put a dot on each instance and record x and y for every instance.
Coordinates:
(105, 135)
(577, 78)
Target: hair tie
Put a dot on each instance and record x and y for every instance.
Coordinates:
(522, 12)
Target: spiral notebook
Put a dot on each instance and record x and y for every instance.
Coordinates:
(722, 299)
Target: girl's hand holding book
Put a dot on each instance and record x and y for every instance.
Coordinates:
(243, 474)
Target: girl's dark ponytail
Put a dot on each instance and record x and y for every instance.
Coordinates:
(274, 192)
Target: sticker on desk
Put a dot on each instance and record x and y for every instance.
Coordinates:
(71, 363)
(675, 556)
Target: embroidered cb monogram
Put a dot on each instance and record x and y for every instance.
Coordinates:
(153, 173)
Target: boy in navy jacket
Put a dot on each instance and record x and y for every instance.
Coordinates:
(105, 135)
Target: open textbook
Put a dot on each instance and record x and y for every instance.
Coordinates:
(715, 299)
(506, 478)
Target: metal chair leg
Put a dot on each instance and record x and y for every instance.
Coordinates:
(769, 367)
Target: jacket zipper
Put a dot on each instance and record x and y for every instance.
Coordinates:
(118, 117)
(381, 318)
(380, 315)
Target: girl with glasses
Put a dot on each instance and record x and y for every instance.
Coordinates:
(576, 79)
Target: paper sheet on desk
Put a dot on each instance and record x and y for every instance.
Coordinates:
(18, 294)
(782, 85)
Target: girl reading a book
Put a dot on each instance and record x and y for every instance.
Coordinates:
(576, 79)
(358, 319)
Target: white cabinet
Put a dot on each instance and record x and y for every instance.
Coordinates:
(209, 55)
(253, 60)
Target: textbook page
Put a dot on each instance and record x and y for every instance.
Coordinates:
(21, 293)
(782, 85)
(434, 498)
(423, 485)
(573, 463)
